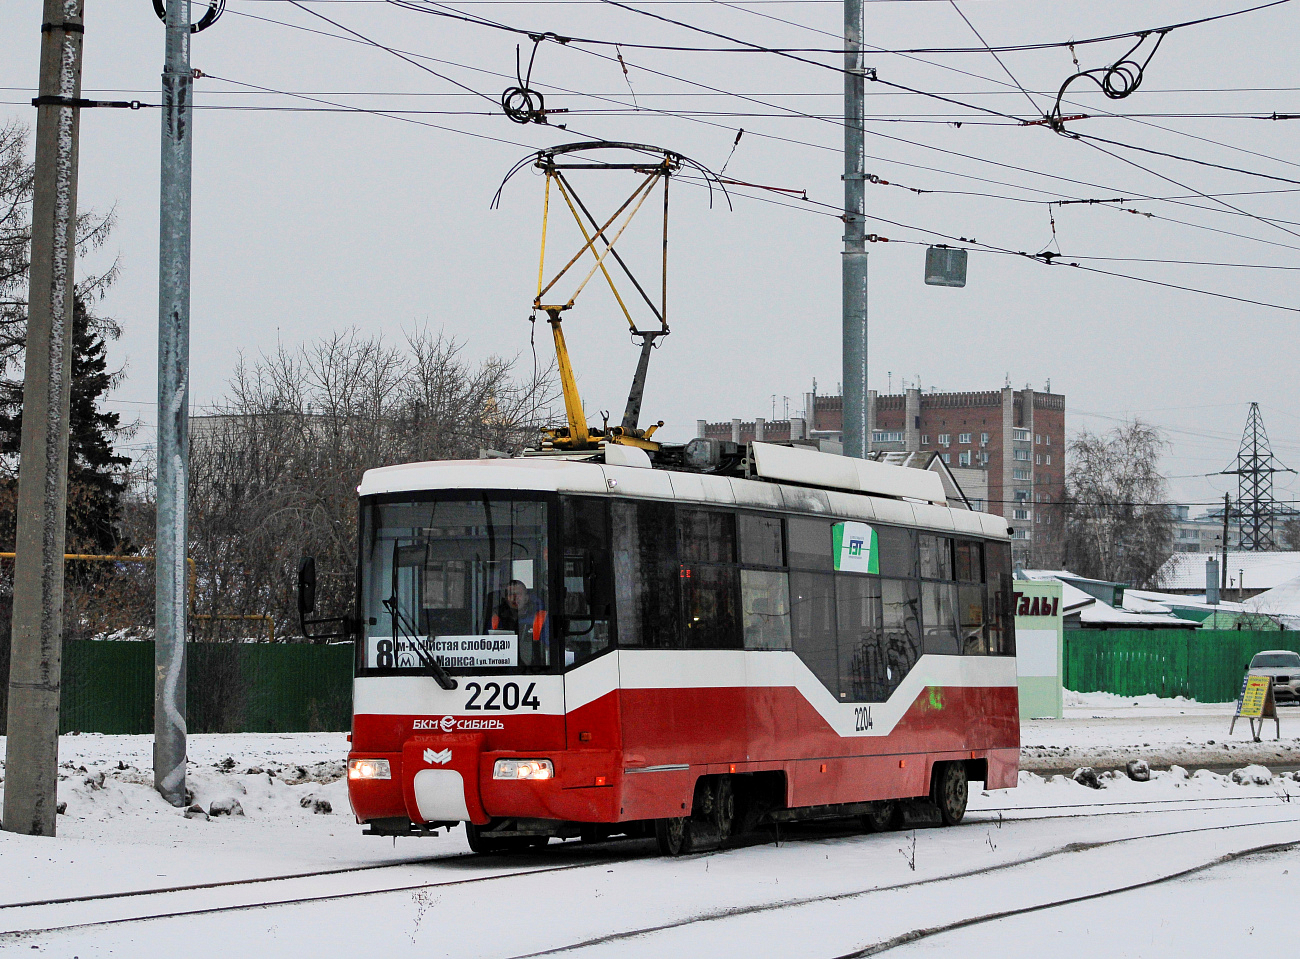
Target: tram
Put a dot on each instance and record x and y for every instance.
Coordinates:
(600, 643)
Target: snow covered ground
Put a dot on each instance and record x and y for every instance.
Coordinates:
(825, 891)
(1102, 729)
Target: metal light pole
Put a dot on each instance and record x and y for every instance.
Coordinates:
(32, 751)
(854, 262)
(173, 408)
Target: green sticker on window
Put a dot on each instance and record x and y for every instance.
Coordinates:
(856, 549)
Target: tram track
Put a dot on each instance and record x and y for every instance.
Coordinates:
(916, 935)
(1251, 802)
(739, 912)
(1181, 806)
(265, 904)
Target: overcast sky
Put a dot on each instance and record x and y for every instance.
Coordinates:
(305, 223)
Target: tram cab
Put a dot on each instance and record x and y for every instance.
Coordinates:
(596, 645)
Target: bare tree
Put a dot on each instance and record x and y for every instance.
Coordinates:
(1118, 525)
(1289, 530)
(275, 466)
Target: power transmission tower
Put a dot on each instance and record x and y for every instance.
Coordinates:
(35, 672)
(1256, 465)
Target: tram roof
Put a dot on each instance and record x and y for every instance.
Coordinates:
(788, 479)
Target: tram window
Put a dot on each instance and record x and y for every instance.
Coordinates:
(939, 617)
(646, 574)
(810, 543)
(707, 537)
(901, 628)
(863, 655)
(897, 551)
(970, 564)
(440, 571)
(588, 588)
(999, 610)
(936, 556)
(709, 607)
(765, 608)
(761, 542)
(812, 618)
(970, 620)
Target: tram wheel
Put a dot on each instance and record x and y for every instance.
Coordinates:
(950, 790)
(881, 818)
(674, 835)
(724, 808)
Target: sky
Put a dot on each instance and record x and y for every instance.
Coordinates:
(344, 211)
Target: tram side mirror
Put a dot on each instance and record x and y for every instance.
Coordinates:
(307, 586)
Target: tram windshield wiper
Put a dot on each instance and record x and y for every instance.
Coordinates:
(430, 663)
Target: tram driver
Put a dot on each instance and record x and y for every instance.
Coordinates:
(519, 610)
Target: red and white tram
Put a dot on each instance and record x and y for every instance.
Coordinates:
(591, 644)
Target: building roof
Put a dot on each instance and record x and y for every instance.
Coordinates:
(1186, 571)
(1281, 602)
(1095, 613)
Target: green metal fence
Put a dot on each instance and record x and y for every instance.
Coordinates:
(1201, 664)
(231, 687)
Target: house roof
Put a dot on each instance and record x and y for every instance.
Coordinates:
(1282, 600)
(1093, 612)
(1186, 571)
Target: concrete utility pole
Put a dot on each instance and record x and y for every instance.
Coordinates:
(32, 753)
(173, 409)
(854, 262)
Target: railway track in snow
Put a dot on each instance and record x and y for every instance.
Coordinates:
(35, 917)
(692, 925)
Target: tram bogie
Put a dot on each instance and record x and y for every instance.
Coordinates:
(636, 651)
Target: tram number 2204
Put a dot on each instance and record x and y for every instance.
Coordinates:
(862, 719)
(502, 696)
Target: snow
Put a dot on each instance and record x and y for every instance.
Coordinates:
(842, 890)
(1103, 729)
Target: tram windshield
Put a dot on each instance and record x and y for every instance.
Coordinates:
(460, 581)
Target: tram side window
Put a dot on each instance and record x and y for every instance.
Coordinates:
(970, 561)
(901, 627)
(765, 607)
(897, 551)
(939, 616)
(936, 556)
(646, 574)
(863, 653)
(812, 615)
(810, 543)
(588, 587)
(970, 619)
(761, 542)
(972, 598)
(1000, 609)
(710, 580)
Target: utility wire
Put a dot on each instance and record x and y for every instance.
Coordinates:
(745, 47)
(409, 4)
(396, 53)
(995, 56)
(798, 113)
(348, 108)
(787, 110)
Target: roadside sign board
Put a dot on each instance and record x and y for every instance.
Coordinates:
(1039, 647)
(1255, 703)
(1254, 694)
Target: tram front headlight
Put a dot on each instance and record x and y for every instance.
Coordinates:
(523, 769)
(369, 769)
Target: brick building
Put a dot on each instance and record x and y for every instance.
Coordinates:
(1005, 447)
